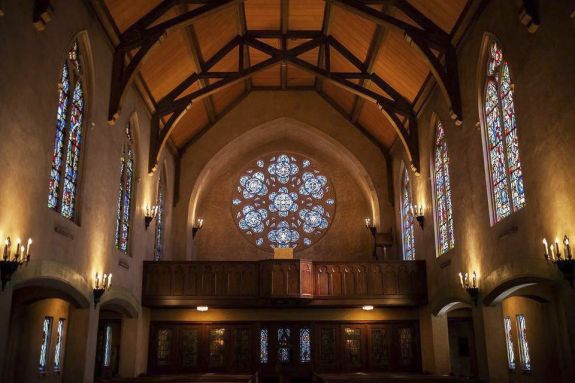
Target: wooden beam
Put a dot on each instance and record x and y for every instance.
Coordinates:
(323, 57)
(284, 29)
(42, 14)
(244, 53)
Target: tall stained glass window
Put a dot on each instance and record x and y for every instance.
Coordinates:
(264, 345)
(125, 193)
(63, 187)
(304, 345)
(407, 219)
(160, 218)
(502, 148)
(284, 349)
(108, 347)
(442, 189)
(45, 346)
(509, 343)
(524, 355)
(59, 351)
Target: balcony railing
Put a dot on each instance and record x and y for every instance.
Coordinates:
(276, 282)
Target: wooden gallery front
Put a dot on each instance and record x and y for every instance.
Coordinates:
(284, 317)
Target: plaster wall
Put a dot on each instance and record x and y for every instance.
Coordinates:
(541, 66)
(267, 122)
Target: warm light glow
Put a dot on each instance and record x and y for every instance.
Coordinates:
(367, 308)
(202, 308)
(368, 222)
(200, 223)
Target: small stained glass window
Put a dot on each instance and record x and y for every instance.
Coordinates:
(304, 345)
(328, 346)
(406, 351)
(352, 346)
(63, 186)
(509, 343)
(442, 191)
(264, 346)
(164, 346)
(407, 219)
(59, 350)
(108, 346)
(284, 349)
(502, 147)
(190, 349)
(217, 347)
(160, 218)
(45, 346)
(524, 355)
(125, 194)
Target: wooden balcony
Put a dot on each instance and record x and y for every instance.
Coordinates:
(283, 282)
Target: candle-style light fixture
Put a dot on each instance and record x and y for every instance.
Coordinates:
(197, 226)
(11, 262)
(472, 287)
(150, 213)
(417, 212)
(564, 262)
(373, 230)
(101, 285)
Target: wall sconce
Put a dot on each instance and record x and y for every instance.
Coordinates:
(565, 263)
(471, 288)
(149, 214)
(9, 264)
(197, 226)
(101, 285)
(417, 212)
(370, 226)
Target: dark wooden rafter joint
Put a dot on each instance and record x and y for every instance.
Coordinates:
(428, 38)
(529, 15)
(143, 35)
(42, 14)
(175, 106)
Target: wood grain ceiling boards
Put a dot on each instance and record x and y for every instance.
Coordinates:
(396, 62)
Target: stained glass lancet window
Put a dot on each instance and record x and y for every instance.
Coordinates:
(45, 345)
(125, 193)
(304, 345)
(284, 350)
(160, 218)
(442, 189)
(108, 347)
(59, 350)
(502, 148)
(264, 345)
(524, 355)
(407, 219)
(63, 187)
(509, 343)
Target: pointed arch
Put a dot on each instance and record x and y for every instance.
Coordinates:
(504, 175)
(161, 216)
(441, 186)
(407, 233)
(126, 191)
(73, 90)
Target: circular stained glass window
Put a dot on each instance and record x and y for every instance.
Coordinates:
(283, 201)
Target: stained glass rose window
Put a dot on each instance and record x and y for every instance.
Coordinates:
(283, 201)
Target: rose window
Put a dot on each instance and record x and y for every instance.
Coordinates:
(283, 201)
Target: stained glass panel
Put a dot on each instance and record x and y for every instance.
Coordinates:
(352, 346)
(190, 351)
(503, 150)
(217, 347)
(164, 346)
(45, 345)
(442, 188)
(264, 346)
(108, 347)
(304, 345)
(62, 190)
(406, 351)
(524, 355)
(58, 351)
(125, 194)
(407, 219)
(284, 349)
(509, 343)
(327, 346)
(159, 235)
(381, 348)
(242, 346)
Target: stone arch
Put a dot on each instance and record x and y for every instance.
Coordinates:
(449, 304)
(274, 129)
(120, 300)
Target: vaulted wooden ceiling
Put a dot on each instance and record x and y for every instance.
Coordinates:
(346, 50)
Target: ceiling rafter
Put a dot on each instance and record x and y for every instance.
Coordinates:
(199, 63)
(323, 57)
(142, 36)
(426, 38)
(244, 57)
(284, 15)
(175, 106)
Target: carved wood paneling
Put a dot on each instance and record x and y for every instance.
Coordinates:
(261, 282)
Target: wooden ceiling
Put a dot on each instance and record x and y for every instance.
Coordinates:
(382, 50)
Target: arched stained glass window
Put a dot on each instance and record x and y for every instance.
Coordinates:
(125, 194)
(407, 219)
(502, 149)
(442, 193)
(63, 187)
(160, 218)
